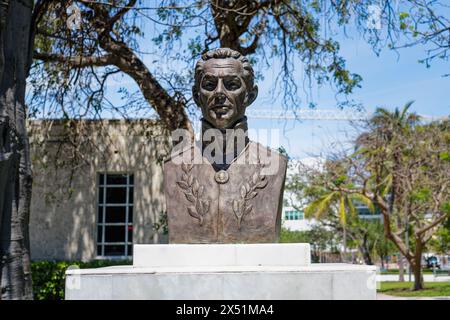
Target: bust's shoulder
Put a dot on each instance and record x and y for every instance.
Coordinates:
(258, 148)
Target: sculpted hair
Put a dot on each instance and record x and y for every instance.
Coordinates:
(224, 53)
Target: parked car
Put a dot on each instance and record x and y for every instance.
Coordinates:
(432, 262)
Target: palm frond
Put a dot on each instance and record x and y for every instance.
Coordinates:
(351, 207)
(387, 184)
(342, 216)
(318, 207)
(364, 200)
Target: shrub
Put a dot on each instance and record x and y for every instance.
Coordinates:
(49, 276)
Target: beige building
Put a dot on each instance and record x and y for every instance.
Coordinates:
(97, 189)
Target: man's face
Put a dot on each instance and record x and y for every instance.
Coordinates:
(223, 93)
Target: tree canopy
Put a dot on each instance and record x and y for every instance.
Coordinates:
(80, 44)
(401, 166)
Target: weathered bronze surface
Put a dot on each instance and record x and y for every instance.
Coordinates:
(224, 188)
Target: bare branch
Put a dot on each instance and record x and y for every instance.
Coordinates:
(76, 62)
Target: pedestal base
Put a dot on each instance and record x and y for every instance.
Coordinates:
(204, 278)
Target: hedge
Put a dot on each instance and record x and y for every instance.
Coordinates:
(49, 276)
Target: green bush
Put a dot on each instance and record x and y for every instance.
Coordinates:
(49, 276)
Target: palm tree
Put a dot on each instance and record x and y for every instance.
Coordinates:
(344, 202)
(389, 125)
(396, 120)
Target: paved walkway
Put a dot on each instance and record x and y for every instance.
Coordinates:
(426, 278)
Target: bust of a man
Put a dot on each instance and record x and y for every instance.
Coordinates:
(224, 188)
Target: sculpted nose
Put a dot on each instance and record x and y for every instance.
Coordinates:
(219, 98)
(220, 88)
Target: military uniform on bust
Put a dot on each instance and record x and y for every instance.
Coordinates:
(211, 205)
(231, 195)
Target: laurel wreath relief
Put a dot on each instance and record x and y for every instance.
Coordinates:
(248, 191)
(193, 192)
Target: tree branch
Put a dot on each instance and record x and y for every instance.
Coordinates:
(171, 111)
(120, 14)
(431, 225)
(76, 61)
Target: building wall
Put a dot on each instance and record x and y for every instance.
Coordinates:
(299, 224)
(63, 222)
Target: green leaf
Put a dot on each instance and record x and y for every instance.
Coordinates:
(364, 200)
(386, 184)
(404, 15)
(446, 207)
(445, 156)
(319, 206)
(342, 217)
(340, 180)
(422, 195)
(351, 207)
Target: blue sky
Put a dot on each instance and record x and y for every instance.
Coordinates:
(389, 80)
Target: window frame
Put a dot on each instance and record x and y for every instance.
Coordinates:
(104, 204)
(294, 215)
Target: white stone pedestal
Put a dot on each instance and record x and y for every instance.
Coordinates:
(223, 271)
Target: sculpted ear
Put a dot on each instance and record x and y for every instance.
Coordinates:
(195, 95)
(252, 95)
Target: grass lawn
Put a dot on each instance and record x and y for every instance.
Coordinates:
(403, 289)
(395, 271)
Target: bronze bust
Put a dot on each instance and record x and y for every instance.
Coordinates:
(224, 188)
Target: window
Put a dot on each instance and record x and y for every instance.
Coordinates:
(363, 210)
(115, 215)
(294, 215)
(287, 215)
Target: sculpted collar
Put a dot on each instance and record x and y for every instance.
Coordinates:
(240, 124)
(228, 140)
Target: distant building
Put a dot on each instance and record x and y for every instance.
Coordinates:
(97, 193)
(293, 217)
(294, 220)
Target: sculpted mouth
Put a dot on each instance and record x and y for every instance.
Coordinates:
(221, 109)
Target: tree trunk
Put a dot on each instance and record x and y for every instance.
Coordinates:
(361, 238)
(366, 254)
(9, 162)
(401, 268)
(417, 266)
(15, 48)
(344, 240)
(366, 251)
(402, 261)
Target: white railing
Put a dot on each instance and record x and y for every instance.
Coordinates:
(320, 114)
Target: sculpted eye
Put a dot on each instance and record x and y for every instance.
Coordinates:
(209, 84)
(233, 84)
